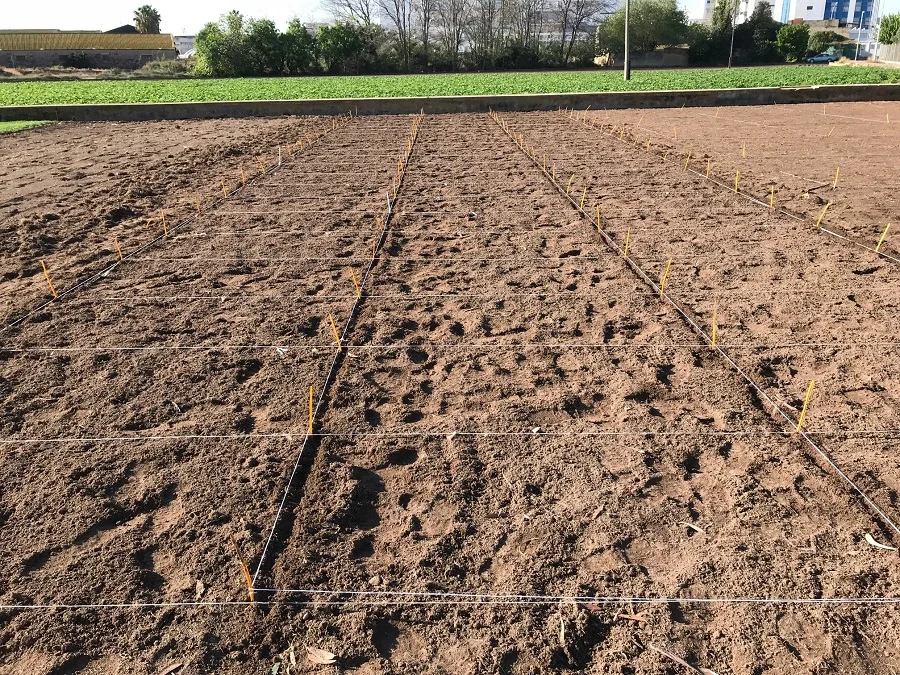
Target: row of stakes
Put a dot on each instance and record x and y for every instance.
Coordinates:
(621, 131)
(291, 149)
(541, 162)
(397, 181)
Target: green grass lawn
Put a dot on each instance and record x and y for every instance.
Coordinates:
(12, 127)
(139, 91)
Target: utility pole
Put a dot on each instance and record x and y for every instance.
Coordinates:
(862, 18)
(627, 48)
(733, 27)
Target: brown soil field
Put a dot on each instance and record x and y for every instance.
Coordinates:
(524, 459)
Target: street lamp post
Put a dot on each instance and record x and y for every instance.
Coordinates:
(733, 27)
(627, 49)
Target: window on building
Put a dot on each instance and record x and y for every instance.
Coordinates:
(808, 7)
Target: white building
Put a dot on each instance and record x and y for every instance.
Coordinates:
(784, 11)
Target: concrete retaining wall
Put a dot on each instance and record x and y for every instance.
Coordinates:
(454, 104)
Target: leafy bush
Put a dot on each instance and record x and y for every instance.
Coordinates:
(890, 29)
(793, 40)
(819, 42)
(653, 23)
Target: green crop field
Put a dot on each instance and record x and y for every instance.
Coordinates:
(12, 127)
(140, 91)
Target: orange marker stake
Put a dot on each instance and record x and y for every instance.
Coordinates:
(881, 241)
(355, 282)
(662, 281)
(310, 428)
(822, 215)
(49, 280)
(334, 329)
(244, 568)
(118, 248)
(809, 392)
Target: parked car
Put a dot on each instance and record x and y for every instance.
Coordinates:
(824, 57)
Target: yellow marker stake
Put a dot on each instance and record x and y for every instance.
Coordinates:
(662, 281)
(118, 248)
(627, 242)
(243, 176)
(262, 167)
(737, 175)
(334, 329)
(887, 118)
(639, 122)
(244, 568)
(822, 215)
(809, 392)
(772, 198)
(743, 149)
(224, 189)
(715, 329)
(622, 132)
(581, 203)
(881, 241)
(675, 130)
(310, 411)
(687, 159)
(836, 174)
(355, 282)
(666, 156)
(570, 183)
(49, 280)
(648, 145)
(708, 165)
(599, 226)
(197, 202)
(554, 173)
(831, 132)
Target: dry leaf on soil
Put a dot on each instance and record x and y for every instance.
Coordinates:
(320, 656)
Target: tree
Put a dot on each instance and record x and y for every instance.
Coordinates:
(400, 14)
(654, 23)
(300, 49)
(351, 11)
(348, 48)
(889, 33)
(146, 19)
(222, 48)
(819, 42)
(573, 14)
(453, 18)
(265, 47)
(792, 40)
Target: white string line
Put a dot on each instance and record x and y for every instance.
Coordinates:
(447, 345)
(706, 338)
(445, 433)
(779, 210)
(344, 259)
(413, 138)
(176, 226)
(422, 599)
(598, 599)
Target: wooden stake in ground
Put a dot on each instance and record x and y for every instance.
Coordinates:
(809, 392)
(244, 568)
(743, 150)
(334, 329)
(772, 198)
(165, 227)
(836, 174)
(627, 242)
(581, 203)
(243, 176)
(310, 428)
(648, 146)
(224, 189)
(197, 202)
(262, 167)
(569, 184)
(737, 175)
(355, 282)
(118, 248)
(687, 160)
(715, 328)
(599, 225)
(49, 280)
(881, 241)
(822, 215)
(662, 281)
(708, 165)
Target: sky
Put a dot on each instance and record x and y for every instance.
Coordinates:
(181, 17)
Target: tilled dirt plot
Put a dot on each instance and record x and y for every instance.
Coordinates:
(521, 442)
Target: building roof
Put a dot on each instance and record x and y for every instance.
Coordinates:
(26, 41)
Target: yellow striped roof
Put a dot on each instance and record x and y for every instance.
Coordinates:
(25, 42)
